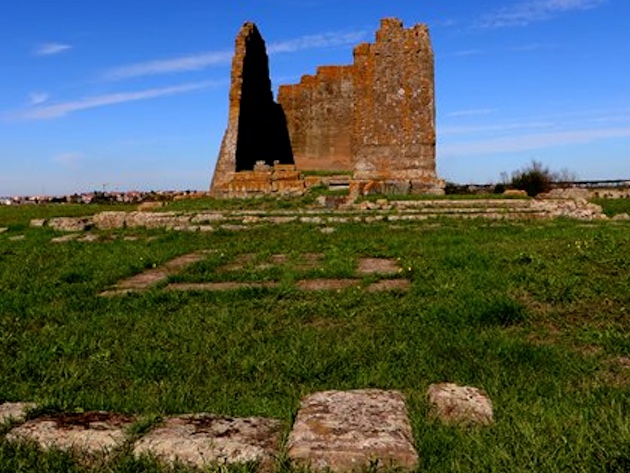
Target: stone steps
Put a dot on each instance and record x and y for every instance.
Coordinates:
(339, 431)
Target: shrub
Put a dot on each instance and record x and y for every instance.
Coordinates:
(533, 179)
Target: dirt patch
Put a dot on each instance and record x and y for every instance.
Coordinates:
(200, 440)
(401, 285)
(91, 432)
(380, 266)
(327, 284)
(220, 286)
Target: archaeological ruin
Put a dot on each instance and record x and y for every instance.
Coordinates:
(373, 120)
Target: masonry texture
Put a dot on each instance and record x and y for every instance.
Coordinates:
(257, 130)
(374, 118)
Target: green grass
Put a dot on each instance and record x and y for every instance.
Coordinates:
(535, 313)
(613, 207)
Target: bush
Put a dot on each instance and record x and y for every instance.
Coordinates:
(533, 179)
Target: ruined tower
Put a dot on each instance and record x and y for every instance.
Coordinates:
(374, 118)
(257, 132)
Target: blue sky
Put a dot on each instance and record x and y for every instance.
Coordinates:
(123, 95)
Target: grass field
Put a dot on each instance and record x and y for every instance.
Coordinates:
(535, 313)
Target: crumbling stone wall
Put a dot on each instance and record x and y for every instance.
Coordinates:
(319, 114)
(257, 130)
(375, 117)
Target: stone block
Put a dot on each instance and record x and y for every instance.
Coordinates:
(351, 430)
(461, 405)
(201, 440)
(90, 432)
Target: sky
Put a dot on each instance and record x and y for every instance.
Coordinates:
(133, 95)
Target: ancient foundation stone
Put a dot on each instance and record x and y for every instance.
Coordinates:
(14, 411)
(344, 431)
(70, 224)
(91, 432)
(462, 405)
(200, 440)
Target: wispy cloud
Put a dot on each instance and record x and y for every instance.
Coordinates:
(37, 98)
(471, 112)
(530, 11)
(467, 52)
(192, 62)
(195, 62)
(48, 112)
(318, 41)
(50, 49)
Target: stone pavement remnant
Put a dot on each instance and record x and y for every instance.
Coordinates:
(327, 284)
(220, 286)
(149, 278)
(349, 430)
(199, 440)
(14, 411)
(90, 432)
(381, 266)
(400, 285)
(461, 405)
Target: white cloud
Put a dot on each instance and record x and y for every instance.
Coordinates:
(62, 109)
(204, 60)
(467, 52)
(530, 11)
(193, 62)
(50, 49)
(37, 98)
(319, 41)
(471, 112)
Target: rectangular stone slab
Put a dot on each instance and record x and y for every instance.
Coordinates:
(199, 440)
(90, 432)
(349, 430)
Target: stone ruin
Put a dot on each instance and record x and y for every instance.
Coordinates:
(374, 119)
